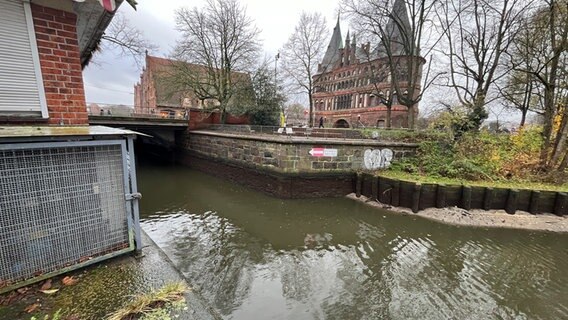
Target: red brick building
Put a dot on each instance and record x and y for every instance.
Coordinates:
(45, 44)
(153, 93)
(353, 82)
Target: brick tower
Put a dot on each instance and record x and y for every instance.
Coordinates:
(353, 85)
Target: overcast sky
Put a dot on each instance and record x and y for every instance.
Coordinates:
(112, 78)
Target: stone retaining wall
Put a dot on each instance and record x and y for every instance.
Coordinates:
(283, 185)
(284, 167)
(286, 153)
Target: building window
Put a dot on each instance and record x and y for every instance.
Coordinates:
(21, 83)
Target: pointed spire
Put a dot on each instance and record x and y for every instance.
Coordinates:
(332, 55)
(398, 31)
(398, 28)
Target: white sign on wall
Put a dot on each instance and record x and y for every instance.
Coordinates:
(377, 159)
(330, 152)
(323, 152)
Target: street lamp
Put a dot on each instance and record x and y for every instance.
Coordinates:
(276, 67)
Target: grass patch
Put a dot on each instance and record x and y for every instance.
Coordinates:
(413, 177)
(482, 159)
(151, 305)
(55, 316)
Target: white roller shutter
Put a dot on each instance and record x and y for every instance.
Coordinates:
(21, 84)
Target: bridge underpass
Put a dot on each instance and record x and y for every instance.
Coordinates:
(161, 133)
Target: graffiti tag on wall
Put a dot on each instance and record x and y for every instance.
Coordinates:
(377, 159)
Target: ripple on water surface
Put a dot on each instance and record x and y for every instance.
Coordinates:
(253, 256)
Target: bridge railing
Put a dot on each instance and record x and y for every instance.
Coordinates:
(138, 114)
(288, 131)
(382, 134)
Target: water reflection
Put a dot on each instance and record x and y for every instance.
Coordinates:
(257, 257)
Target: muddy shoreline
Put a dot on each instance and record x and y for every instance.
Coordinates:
(480, 218)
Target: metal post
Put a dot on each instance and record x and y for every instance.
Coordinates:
(134, 190)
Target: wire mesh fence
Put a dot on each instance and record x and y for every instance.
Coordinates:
(60, 206)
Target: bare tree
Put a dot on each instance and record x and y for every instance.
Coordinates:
(219, 44)
(483, 31)
(547, 63)
(521, 90)
(520, 93)
(403, 27)
(295, 113)
(128, 40)
(302, 52)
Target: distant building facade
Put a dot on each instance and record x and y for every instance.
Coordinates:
(106, 109)
(152, 96)
(353, 81)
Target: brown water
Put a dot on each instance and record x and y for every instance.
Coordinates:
(257, 257)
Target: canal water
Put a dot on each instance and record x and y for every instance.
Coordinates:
(253, 256)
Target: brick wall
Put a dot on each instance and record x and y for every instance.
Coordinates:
(200, 119)
(283, 155)
(60, 62)
(365, 117)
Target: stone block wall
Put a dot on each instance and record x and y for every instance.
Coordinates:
(285, 154)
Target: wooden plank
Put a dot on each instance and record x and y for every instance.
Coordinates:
(466, 198)
(358, 185)
(428, 196)
(534, 205)
(385, 190)
(416, 197)
(395, 196)
(406, 191)
(477, 195)
(453, 195)
(512, 199)
(488, 198)
(561, 204)
(374, 188)
(547, 201)
(441, 196)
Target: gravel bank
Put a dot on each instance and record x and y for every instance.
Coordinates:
(481, 218)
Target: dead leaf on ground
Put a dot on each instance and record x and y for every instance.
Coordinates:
(32, 307)
(46, 285)
(9, 298)
(22, 290)
(69, 281)
(83, 259)
(50, 291)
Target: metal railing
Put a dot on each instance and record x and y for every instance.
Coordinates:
(328, 133)
(379, 134)
(140, 115)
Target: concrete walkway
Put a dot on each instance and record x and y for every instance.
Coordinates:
(164, 268)
(104, 288)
